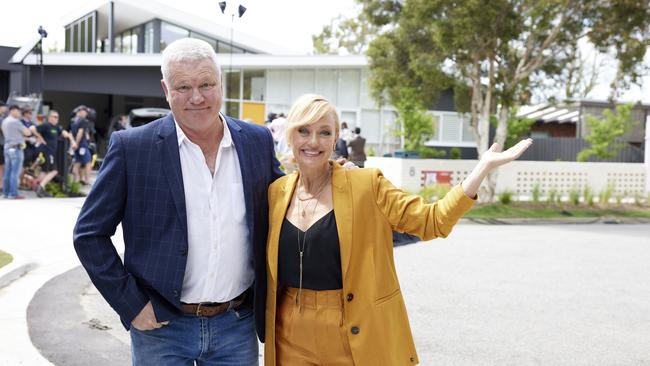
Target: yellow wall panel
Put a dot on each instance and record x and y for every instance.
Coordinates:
(254, 112)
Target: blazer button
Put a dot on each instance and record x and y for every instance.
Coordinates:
(183, 252)
(355, 330)
(412, 359)
(350, 297)
(175, 293)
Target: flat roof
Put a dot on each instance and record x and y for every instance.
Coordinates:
(130, 13)
(246, 61)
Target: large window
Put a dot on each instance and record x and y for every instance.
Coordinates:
(254, 85)
(211, 41)
(149, 37)
(169, 33)
(451, 129)
(81, 35)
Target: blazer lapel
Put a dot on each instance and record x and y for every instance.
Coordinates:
(171, 164)
(276, 218)
(342, 200)
(241, 142)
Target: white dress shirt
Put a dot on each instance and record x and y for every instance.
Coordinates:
(219, 257)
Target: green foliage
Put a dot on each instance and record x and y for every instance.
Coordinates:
(500, 48)
(604, 132)
(428, 152)
(619, 198)
(371, 151)
(588, 195)
(536, 193)
(518, 128)
(54, 189)
(553, 196)
(574, 196)
(505, 197)
(455, 153)
(606, 194)
(351, 35)
(417, 124)
(5, 258)
(434, 192)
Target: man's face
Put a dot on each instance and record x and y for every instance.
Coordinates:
(15, 113)
(194, 93)
(82, 113)
(27, 116)
(53, 118)
(3, 109)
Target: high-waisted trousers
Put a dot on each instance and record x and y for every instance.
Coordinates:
(310, 332)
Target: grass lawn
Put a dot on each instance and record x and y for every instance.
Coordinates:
(5, 258)
(530, 210)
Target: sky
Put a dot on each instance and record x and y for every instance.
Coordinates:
(288, 23)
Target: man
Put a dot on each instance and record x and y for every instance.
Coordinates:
(14, 132)
(357, 145)
(32, 143)
(4, 111)
(80, 127)
(190, 190)
(50, 132)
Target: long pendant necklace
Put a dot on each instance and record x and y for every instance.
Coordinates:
(302, 245)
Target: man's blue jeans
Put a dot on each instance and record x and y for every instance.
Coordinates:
(227, 339)
(14, 157)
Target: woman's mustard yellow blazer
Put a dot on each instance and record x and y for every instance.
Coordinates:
(367, 208)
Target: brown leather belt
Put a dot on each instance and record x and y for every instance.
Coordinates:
(213, 308)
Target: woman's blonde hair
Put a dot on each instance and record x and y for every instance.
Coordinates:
(307, 110)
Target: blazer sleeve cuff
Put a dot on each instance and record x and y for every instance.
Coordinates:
(458, 202)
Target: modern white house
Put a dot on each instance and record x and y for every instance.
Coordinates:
(112, 63)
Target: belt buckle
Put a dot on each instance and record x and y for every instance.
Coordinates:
(198, 309)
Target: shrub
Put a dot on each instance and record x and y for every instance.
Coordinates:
(536, 192)
(588, 195)
(505, 197)
(638, 199)
(574, 196)
(455, 153)
(606, 194)
(552, 196)
(619, 197)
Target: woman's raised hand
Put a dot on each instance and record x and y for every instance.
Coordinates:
(494, 158)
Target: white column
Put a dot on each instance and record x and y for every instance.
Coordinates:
(647, 155)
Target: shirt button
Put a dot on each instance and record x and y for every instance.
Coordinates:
(350, 297)
(355, 330)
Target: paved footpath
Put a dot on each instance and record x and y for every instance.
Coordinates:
(488, 295)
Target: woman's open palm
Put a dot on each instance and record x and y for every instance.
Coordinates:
(494, 158)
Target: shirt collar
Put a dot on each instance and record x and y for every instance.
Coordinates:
(226, 140)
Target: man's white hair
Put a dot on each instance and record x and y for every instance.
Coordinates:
(187, 50)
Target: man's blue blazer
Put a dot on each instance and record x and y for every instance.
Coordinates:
(140, 185)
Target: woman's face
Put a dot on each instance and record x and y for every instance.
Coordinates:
(312, 144)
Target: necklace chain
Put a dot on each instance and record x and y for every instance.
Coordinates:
(302, 244)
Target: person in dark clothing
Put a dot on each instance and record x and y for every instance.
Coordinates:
(50, 131)
(80, 129)
(340, 149)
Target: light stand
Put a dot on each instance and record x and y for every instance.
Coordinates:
(43, 34)
(240, 12)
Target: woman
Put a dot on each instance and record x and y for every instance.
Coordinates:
(333, 295)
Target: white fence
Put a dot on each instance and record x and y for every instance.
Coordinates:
(519, 177)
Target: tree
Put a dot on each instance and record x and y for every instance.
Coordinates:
(605, 131)
(491, 52)
(416, 125)
(345, 35)
(518, 127)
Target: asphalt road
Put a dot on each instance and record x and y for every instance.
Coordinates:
(488, 295)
